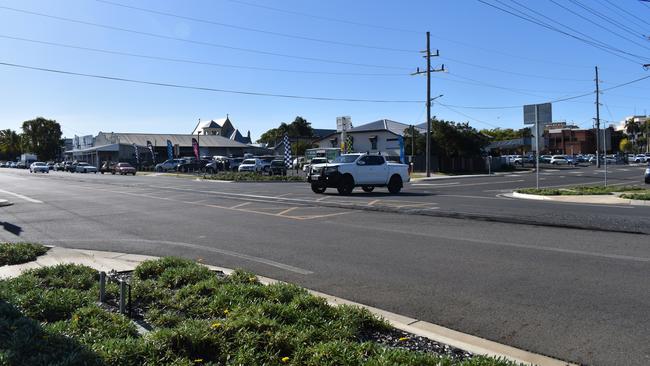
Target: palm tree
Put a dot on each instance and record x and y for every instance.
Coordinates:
(632, 128)
(10, 143)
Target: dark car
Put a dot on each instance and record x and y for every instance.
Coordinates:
(647, 175)
(107, 167)
(192, 165)
(70, 166)
(123, 169)
(278, 167)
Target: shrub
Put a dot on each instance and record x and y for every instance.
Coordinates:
(92, 323)
(52, 305)
(16, 253)
(152, 269)
(193, 339)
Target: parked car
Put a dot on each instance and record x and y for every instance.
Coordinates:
(560, 160)
(250, 165)
(278, 167)
(266, 163)
(123, 169)
(358, 170)
(168, 165)
(13, 164)
(314, 161)
(641, 158)
(235, 163)
(21, 165)
(59, 166)
(545, 159)
(107, 167)
(298, 162)
(647, 175)
(85, 168)
(3, 164)
(192, 165)
(39, 166)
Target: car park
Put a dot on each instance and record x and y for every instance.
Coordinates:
(123, 169)
(85, 168)
(278, 167)
(38, 166)
(250, 165)
(358, 170)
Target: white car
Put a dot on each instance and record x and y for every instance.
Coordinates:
(250, 165)
(358, 170)
(314, 161)
(86, 168)
(560, 160)
(39, 166)
(641, 158)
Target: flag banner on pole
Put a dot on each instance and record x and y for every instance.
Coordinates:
(137, 155)
(349, 148)
(402, 158)
(287, 151)
(153, 155)
(195, 146)
(170, 150)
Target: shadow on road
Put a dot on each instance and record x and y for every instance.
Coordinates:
(16, 230)
(380, 194)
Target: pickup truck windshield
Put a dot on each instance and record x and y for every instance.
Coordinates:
(346, 159)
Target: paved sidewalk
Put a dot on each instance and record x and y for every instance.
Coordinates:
(586, 199)
(107, 261)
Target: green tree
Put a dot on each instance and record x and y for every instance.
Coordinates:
(449, 139)
(42, 137)
(10, 144)
(498, 134)
(299, 128)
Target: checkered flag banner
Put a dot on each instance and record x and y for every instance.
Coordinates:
(348, 145)
(287, 151)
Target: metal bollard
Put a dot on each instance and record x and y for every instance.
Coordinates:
(122, 297)
(102, 286)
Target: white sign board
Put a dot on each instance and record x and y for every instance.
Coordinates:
(343, 123)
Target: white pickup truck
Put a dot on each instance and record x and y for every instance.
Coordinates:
(358, 170)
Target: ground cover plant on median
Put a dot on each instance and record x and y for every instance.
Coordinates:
(17, 253)
(253, 177)
(644, 196)
(580, 190)
(198, 317)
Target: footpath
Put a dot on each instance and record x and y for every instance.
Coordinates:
(107, 261)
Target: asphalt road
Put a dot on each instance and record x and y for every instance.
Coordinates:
(576, 294)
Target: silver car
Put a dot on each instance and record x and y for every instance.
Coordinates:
(39, 166)
(86, 168)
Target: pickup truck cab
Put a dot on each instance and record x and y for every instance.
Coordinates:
(358, 170)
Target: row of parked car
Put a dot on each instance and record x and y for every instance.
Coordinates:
(574, 159)
(266, 165)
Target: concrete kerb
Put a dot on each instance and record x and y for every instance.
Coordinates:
(4, 203)
(589, 199)
(106, 261)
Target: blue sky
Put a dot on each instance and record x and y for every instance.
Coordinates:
(494, 60)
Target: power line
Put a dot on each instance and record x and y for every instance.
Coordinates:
(468, 116)
(611, 21)
(249, 29)
(180, 86)
(202, 43)
(337, 20)
(205, 63)
(555, 29)
(634, 18)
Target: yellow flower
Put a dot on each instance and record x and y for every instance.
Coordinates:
(198, 360)
(226, 312)
(252, 279)
(403, 339)
(285, 359)
(75, 318)
(216, 325)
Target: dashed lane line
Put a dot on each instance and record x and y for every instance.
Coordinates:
(28, 199)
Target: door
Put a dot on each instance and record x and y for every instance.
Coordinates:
(364, 170)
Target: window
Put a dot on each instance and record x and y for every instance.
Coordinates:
(365, 160)
(375, 160)
(334, 141)
(393, 139)
(373, 142)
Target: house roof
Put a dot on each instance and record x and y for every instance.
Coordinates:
(383, 125)
(322, 132)
(213, 123)
(237, 136)
(176, 139)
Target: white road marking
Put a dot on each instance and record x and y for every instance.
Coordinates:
(433, 184)
(473, 184)
(20, 196)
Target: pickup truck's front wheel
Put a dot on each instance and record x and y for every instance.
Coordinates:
(346, 185)
(317, 188)
(395, 184)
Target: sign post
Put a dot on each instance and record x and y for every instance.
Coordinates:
(536, 114)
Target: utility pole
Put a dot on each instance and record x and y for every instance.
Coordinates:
(597, 118)
(428, 72)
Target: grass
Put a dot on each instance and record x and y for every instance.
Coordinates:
(579, 190)
(253, 177)
(49, 316)
(17, 253)
(645, 196)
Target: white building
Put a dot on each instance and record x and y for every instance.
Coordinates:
(380, 136)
